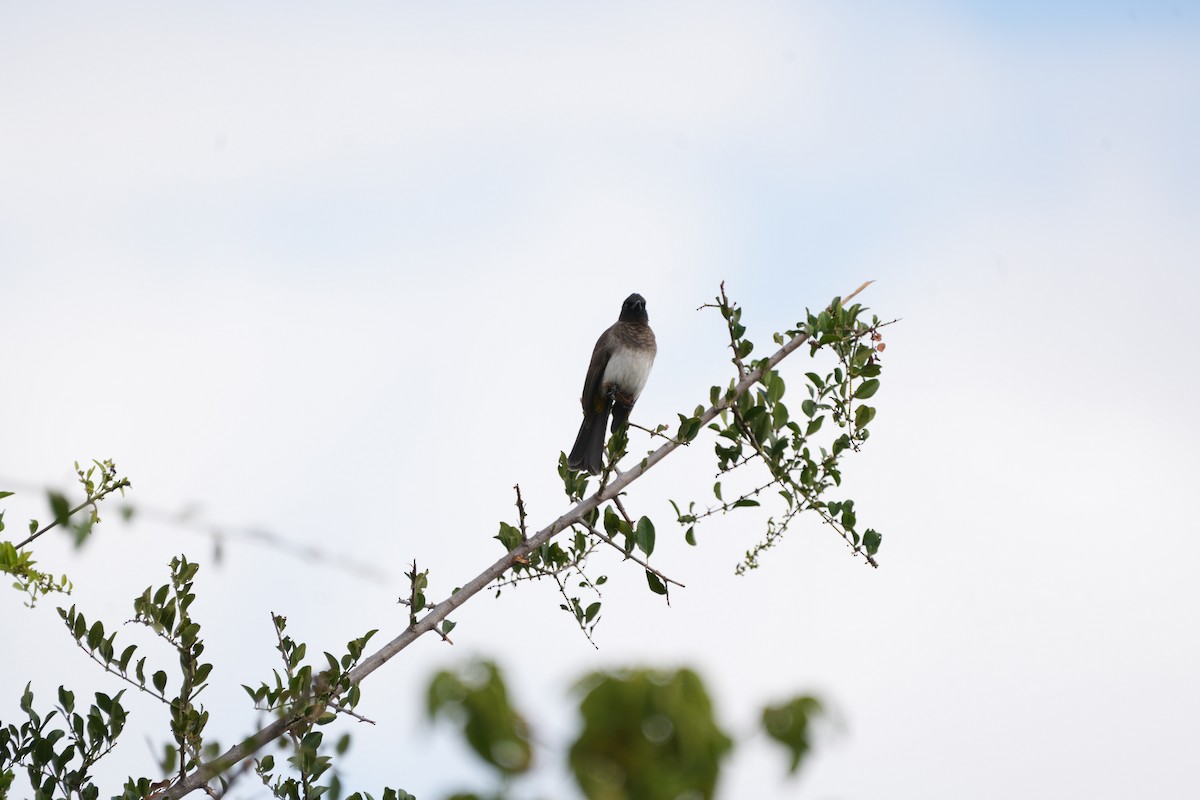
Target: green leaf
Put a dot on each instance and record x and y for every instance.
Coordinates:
(612, 523)
(814, 426)
(656, 584)
(126, 655)
(592, 611)
(867, 389)
(6, 494)
(690, 536)
(689, 428)
(95, 636)
(509, 536)
(776, 389)
(871, 541)
(160, 681)
(863, 416)
(59, 507)
(644, 536)
(808, 407)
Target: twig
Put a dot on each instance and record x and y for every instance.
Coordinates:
(621, 507)
(567, 607)
(343, 710)
(635, 559)
(90, 501)
(442, 634)
(521, 512)
(654, 432)
(126, 678)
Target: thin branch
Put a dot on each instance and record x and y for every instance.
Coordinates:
(521, 511)
(206, 772)
(580, 621)
(656, 432)
(442, 634)
(126, 678)
(90, 501)
(621, 507)
(727, 506)
(635, 559)
(344, 710)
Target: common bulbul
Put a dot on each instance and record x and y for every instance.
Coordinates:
(616, 376)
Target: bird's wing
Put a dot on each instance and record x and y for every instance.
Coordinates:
(593, 385)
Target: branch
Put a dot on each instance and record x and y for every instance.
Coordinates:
(108, 668)
(92, 500)
(635, 559)
(206, 772)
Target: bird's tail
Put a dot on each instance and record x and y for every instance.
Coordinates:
(588, 452)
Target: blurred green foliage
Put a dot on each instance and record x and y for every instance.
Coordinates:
(645, 734)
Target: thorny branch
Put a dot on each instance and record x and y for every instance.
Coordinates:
(576, 515)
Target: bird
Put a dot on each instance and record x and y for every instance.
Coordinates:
(620, 365)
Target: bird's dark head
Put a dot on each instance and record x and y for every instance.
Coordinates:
(634, 309)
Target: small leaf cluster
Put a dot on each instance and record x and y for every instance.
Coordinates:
(640, 535)
(418, 582)
(302, 692)
(574, 483)
(802, 458)
(98, 481)
(308, 762)
(166, 611)
(57, 750)
(563, 565)
(308, 698)
(19, 565)
(103, 650)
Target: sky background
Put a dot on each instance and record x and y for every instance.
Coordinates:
(335, 271)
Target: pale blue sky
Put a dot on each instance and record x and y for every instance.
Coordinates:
(295, 264)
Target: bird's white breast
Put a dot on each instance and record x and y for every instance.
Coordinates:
(628, 369)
